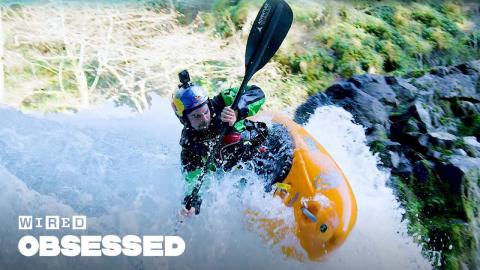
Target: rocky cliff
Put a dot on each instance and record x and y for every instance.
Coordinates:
(425, 127)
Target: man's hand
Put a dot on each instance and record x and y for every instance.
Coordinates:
(195, 203)
(229, 116)
(187, 213)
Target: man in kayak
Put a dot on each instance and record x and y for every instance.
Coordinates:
(202, 118)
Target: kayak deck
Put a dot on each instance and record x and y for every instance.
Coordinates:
(323, 203)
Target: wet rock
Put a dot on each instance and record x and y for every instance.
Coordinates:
(459, 169)
(411, 126)
(377, 133)
(394, 159)
(443, 139)
(456, 85)
(426, 91)
(405, 92)
(422, 171)
(404, 168)
(467, 68)
(459, 152)
(401, 165)
(463, 108)
(361, 81)
(342, 90)
(435, 155)
(452, 175)
(443, 117)
(375, 86)
(440, 71)
(471, 141)
(471, 146)
(366, 110)
(424, 141)
(420, 111)
(426, 128)
(475, 65)
(307, 109)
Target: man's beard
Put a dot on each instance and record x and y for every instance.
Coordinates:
(203, 126)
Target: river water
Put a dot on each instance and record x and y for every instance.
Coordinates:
(122, 170)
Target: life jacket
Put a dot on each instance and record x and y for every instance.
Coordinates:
(236, 146)
(243, 146)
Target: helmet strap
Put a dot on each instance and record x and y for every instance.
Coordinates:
(186, 122)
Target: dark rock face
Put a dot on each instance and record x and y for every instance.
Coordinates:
(305, 110)
(426, 130)
(366, 109)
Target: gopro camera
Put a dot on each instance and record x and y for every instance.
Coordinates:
(184, 78)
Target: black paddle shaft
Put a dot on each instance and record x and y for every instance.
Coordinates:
(267, 34)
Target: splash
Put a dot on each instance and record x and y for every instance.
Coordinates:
(379, 239)
(122, 170)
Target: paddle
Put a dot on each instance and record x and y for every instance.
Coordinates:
(267, 34)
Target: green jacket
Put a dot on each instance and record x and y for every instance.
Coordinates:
(196, 145)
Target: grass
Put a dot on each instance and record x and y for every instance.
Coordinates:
(329, 40)
(375, 37)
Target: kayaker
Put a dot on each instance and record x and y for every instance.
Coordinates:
(202, 118)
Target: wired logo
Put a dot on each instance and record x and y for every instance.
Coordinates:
(90, 245)
(52, 222)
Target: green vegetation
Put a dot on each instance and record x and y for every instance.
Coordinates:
(342, 39)
(329, 40)
(471, 127)
(425, 205)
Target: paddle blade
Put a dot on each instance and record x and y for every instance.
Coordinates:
(267, 34)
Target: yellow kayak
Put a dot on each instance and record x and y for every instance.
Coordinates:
(323, 203)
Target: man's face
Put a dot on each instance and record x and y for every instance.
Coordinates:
(200, 118)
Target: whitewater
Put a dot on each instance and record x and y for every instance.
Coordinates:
(122, 170)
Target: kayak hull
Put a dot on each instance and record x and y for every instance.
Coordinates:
(318, 191)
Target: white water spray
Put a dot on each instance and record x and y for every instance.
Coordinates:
(122, 171)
